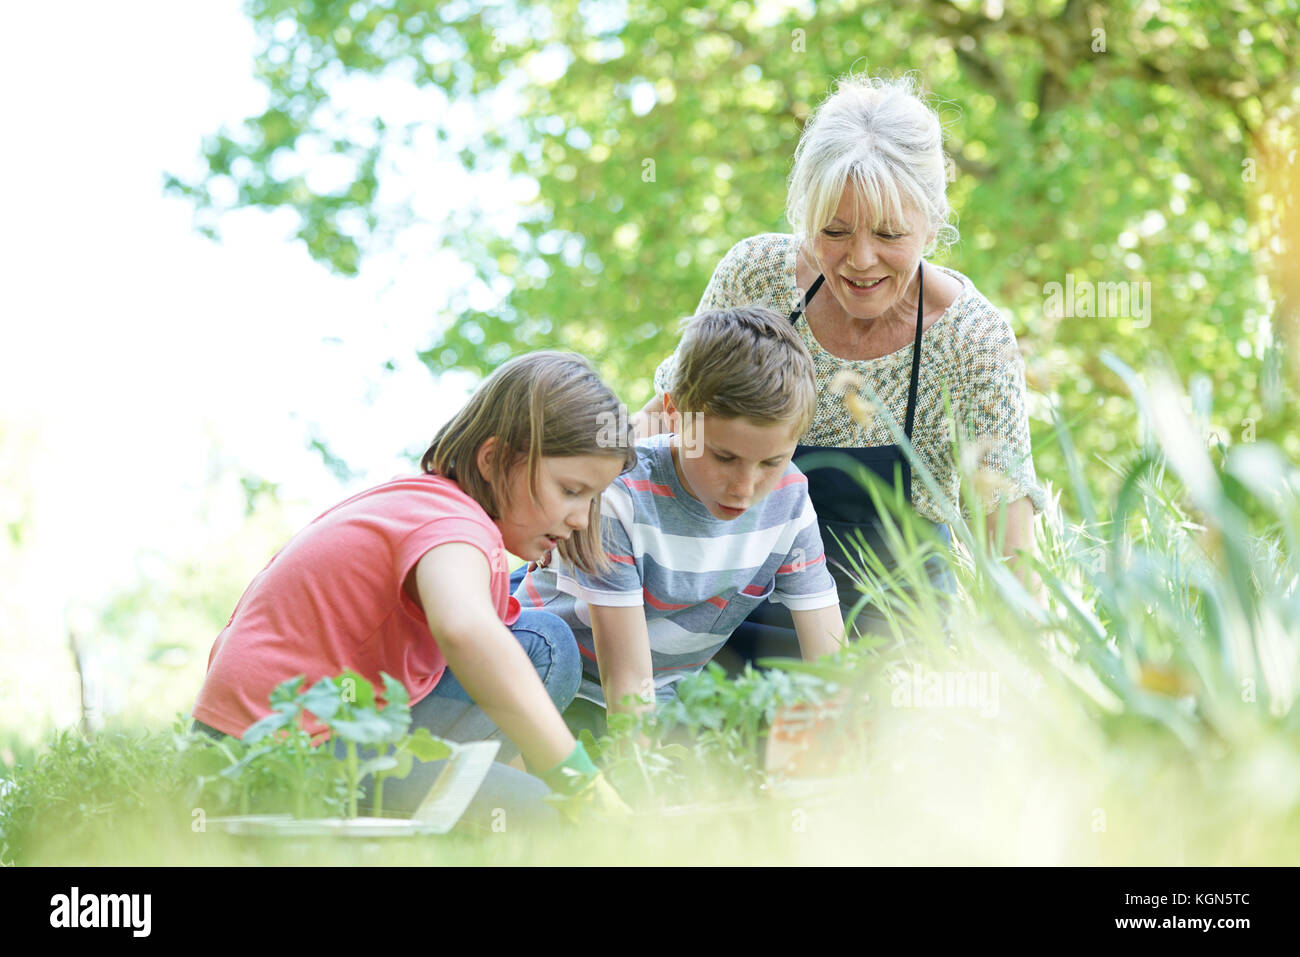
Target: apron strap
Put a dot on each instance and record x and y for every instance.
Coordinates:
(916, 352)
(916, 347)
(812, 291)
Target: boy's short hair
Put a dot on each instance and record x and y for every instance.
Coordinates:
(745, 362)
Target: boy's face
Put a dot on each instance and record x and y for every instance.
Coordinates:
(730, 464)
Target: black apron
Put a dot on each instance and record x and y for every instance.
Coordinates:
(846, 511)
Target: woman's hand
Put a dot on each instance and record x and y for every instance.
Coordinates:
(651, 420)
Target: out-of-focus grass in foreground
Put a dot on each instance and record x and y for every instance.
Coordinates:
(1134, 705)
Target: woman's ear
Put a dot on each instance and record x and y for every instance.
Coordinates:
(485, 459)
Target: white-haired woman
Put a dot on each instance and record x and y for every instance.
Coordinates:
(867, 202)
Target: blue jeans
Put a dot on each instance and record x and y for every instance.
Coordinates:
(449, 712)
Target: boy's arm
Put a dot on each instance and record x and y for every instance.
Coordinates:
(806, 587)
(820, 631)
(622, 641)
(453, 582)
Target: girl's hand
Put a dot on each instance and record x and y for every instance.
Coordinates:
(579, 789)
(597, 798)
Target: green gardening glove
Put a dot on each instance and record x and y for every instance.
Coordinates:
(581, 790)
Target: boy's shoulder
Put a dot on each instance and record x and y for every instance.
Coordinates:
(790, 494)
(653, 455)
(645, 475)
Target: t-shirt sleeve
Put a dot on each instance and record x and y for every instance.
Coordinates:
(417, 543)
(803, 581)
(620, 584)
(997, 421)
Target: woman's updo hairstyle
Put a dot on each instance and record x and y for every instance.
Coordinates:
(877, 133)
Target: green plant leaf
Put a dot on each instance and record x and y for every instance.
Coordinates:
(425, 746)
(367, 728)
(323, 699)
(355, 690)
(384, 762)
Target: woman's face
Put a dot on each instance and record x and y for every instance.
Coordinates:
(869, 271)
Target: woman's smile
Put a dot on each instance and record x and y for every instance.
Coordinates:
(863, 286)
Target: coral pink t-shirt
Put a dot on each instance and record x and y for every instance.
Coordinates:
(332, 598)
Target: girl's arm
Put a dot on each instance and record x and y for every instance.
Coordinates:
(820, 631)
(622, 642)
(453, 581)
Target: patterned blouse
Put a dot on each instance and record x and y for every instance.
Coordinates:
(970, 350)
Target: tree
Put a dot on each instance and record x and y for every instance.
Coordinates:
(1098, 143)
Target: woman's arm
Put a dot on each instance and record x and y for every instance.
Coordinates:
(820, 631)
(454, 585)
(1018, 535)
(622, 642)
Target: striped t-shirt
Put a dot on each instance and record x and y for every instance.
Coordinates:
(698, 577)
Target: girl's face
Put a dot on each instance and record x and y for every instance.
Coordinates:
(566, 486)
(869, 271)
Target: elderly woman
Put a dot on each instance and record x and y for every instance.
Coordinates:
(867, 202)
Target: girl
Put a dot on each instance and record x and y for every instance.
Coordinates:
(411, 578)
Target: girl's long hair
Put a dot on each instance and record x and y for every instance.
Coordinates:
(540, 404)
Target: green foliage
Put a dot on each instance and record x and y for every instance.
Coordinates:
(77, 787)
(1101, 144)
(1173, 612)
(706, 744)
(281, 749)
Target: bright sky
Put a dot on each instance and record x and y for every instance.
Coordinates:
(143, 359)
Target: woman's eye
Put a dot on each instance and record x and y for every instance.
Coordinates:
(568, 491)
(834, 233)
(721, 459)
(890, 236)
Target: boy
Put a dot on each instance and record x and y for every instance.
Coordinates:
(712, 519)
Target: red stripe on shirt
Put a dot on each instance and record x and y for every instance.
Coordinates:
(645, 485)
(795, 479)
(533, 593)
(720, 602)
(754, 589)
(625, 559)
(654, 602)
(800, 566)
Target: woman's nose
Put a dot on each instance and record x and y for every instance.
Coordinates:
(862, 251)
